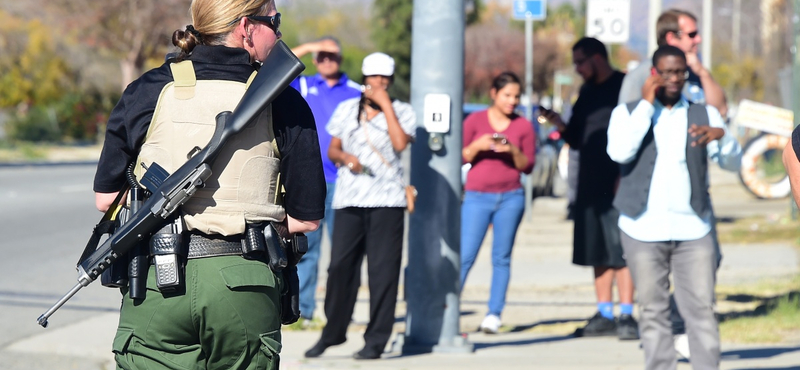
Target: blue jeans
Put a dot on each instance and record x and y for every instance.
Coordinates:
(308, 267)
(504, 212)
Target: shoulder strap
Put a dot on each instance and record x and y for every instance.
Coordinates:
(185, 79)
(250, 79)
(373, 148)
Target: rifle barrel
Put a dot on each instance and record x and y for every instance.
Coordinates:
(43, 319)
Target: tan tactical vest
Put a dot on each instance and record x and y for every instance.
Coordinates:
(244, 179)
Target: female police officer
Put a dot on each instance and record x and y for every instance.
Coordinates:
(227, 312)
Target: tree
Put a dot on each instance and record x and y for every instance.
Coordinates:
(495, 44)
(33, 71)
(775, 24)
(480, 66)
(132, 31)
(391, 33)
(475, 9)
(317, 18)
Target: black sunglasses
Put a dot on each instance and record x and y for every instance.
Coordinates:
(272, 21)
(691, 35)
(333, 57)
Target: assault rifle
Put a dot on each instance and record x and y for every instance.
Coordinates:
(277, 71)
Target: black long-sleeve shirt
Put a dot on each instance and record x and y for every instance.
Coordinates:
(293, 124)
(586, 132)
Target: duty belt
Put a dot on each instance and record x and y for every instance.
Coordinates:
(204, 246)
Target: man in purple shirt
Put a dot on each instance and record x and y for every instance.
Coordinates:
(323, 92)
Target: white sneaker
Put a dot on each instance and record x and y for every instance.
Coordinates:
(491, 324)
(682, 345)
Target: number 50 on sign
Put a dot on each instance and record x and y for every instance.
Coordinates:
(608, 20)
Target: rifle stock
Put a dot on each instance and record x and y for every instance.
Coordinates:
(278, 70)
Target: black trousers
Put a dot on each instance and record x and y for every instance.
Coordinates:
(378, 234)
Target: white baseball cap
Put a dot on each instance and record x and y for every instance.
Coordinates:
(377, 64)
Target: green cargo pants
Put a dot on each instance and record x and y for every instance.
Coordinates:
(226, 317)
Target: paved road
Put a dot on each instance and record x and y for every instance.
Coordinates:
(46, 218)
(47, 213)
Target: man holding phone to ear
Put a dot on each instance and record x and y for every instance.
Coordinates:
(663, 144)
(596, 240)
(323, 92)
(678, 28)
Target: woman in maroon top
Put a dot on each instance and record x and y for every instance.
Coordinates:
(500, 146)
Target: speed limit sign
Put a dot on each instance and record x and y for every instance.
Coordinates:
(609, 20)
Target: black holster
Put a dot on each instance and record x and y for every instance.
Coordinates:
(168, 252)
(276, 250)
(290, 300)
(138, 263)
(293, 250)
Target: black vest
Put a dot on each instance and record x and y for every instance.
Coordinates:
(634, 184)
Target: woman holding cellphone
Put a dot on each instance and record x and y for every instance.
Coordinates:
(500, 145)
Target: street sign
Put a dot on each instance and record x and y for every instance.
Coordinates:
(609, 20)
(765, 117)
(562, 78)
(530, 9)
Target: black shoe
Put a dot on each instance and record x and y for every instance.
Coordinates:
(367, 354)
(317, 350)
(598, 326)
(627, 328)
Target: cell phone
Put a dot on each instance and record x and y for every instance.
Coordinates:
(654, 72)
(541, 118)
(499, 138)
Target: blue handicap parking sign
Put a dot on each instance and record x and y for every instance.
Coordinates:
(534, 9)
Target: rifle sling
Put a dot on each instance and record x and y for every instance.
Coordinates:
(105, 226)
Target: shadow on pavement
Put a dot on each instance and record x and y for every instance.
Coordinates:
(531, 303)
(484, 345)
(521, 328)
(44, 300)
(756, 353)
(768, 304)
(480, 345)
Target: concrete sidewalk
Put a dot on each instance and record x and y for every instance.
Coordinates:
(546, 291)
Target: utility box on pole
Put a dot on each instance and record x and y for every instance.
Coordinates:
(432, 277)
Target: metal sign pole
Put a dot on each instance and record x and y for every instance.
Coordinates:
(707, 36)
(655, 11)
(529, 106)
(432, 278)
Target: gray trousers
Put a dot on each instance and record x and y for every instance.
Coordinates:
(693, 264)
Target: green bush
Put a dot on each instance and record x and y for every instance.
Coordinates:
(80, 115)
(74, 117)
(38, 124)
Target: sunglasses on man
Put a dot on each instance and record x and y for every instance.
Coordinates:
(325, 55)
(691, 35)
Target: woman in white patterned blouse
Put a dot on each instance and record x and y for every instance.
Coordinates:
(369, 133)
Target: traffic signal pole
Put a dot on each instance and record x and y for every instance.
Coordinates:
(432, 284)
